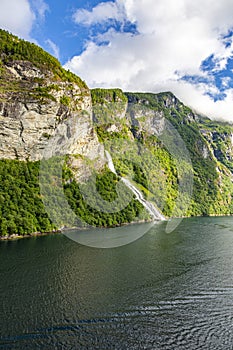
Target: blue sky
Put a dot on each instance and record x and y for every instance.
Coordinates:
(70, 37)
(58, 25)
(138, 45)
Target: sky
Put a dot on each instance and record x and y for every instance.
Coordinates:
(182, 46)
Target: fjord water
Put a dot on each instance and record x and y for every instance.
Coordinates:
(163, 291)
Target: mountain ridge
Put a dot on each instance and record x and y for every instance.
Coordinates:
(41, 105)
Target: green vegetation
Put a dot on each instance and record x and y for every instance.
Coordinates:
(43, 92)
(137, 152)
(219, 135)
(100, 96)
(104, 134)
(22, 210)
(89, 211)
(208, 196)
(14, 49)
(65, 100)
(138, 155)
(156, 171)
(108, 108)
(150, 167)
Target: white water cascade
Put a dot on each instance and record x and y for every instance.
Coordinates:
(154, 212)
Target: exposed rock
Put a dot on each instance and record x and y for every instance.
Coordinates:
(145, 119)
(46, 118)
(44, 110)
(24, 70)
(220, 143)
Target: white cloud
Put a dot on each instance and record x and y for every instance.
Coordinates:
(174, 37)
(17, 17)
(54, 48)
(104, 11)
(41, 7)
(195, 97)
(226, 81)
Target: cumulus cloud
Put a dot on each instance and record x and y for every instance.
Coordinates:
(17, 17)
(173, 39)
(104, 11)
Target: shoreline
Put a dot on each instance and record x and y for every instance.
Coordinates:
(14, 237)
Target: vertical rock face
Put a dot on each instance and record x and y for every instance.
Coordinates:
(40, 115)
(219, 139)
(47, 111)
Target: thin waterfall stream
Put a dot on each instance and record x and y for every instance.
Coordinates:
(154, 212)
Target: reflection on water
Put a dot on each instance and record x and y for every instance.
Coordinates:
(164, 291)
(111, 237)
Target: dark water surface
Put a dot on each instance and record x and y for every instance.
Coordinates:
(164, 291)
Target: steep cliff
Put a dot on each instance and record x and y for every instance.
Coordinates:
(36, 97)
(181, 162)
(160, 142)
(46, 111)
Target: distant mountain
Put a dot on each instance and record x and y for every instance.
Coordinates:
(180, 161)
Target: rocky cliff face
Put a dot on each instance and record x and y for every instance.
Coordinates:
(46, 111)
(163, 134)
(220, 140)
(41, 115)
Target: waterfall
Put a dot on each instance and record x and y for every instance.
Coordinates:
(154, 212)
(110, 163)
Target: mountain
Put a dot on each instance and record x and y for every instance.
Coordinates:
(180, 161)
(145, 119)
